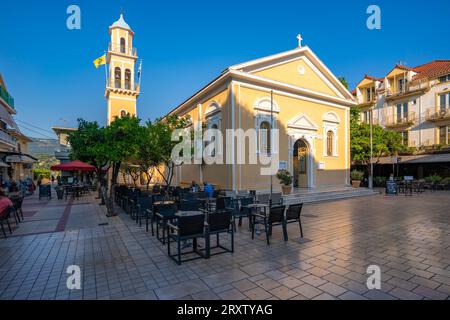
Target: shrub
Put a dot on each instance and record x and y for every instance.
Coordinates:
(379, 181)
(433, 178)
(285, 177)
(41, 173)
(357, 175)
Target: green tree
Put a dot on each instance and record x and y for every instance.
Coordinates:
(106, 149)
(88, 144)
(161, 135)
(344, 82)
(385, 143)
(121, 145)
(148, 153)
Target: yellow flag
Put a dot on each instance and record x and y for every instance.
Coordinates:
(100, 61)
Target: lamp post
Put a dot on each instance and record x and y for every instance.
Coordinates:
(371, 150)
(271, 143)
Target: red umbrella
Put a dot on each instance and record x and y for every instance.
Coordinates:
(76, 165)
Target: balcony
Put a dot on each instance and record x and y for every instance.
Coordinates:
(124, 50)
(131, 89)
(436, 115)
(409, 89)
(6, 138)
(6, 97)
(401, 122)
(367, 104)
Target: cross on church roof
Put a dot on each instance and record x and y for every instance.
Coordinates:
(299, 37)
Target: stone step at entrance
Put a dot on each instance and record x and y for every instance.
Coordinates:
(311, 197)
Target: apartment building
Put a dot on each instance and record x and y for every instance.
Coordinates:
(415, 102)
(15, 163)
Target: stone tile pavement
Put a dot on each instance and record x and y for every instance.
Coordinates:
(408, 237)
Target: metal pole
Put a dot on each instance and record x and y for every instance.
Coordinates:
(271, 142)
(106, 70)
(371, 151)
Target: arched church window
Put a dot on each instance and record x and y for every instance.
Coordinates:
(330, 142)
(122, 45)
(127, 79)
(123, 113)
(117, 77)
(213, 139)
(264, 137)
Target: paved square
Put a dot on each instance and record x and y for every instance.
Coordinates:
(408, 237)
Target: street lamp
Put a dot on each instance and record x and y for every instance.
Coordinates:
(371, 149)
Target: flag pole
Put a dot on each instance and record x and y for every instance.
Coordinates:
(106, 70)
(140, 74)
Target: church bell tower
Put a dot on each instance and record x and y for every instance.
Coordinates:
(122, 87)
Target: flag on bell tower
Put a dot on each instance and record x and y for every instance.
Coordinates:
(100, 61)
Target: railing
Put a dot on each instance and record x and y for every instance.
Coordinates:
(124, 86)
(433, 114)
(395, 121)
(117, 48)
(7, 138)
(408, 88)
(7, 97)
(364, 103)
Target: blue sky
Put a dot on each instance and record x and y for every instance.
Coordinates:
(185, 44)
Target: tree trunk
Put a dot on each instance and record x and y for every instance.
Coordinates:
(110, 198)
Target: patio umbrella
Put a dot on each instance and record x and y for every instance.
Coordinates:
(76, 165)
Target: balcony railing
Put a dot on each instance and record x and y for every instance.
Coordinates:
(404, 121)
(117, 48)
(6, 97)
(408, 88)
(364, 103)
(122, 87)
(5, 137)
(434, 114)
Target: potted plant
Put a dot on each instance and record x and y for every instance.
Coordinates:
(357, 177)
(286, 181)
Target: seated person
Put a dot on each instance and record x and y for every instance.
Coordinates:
(195, 187)
(209, 189)
(5, 202)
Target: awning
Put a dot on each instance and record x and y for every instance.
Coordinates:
(6, 117)
(417, 159)
(74, 166)
(23, 158)
(15, 153)
(3, 165)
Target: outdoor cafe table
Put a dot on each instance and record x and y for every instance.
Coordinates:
(208, 202)
(161, 203)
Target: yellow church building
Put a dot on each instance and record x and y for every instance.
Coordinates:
(310, 108)
(293, 92)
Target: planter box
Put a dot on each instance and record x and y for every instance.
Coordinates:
(286, 189)
(356, 183)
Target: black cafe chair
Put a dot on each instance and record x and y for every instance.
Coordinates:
(275, 217)
(4, 217)
(186, 228)
(143, 204)
(219, 222)
(189, 205)
(163, 214)
(293, 215)
(243, 211)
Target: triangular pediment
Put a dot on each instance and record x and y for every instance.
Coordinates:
(302, 122)
(300, 68)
